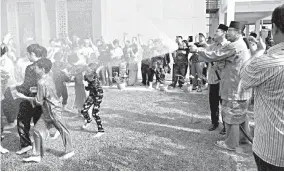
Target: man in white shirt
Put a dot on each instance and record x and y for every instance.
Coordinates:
(116, 57)
(88, 49)
(7, 76)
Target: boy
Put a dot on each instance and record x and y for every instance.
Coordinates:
(158, 68)
(95, 98)
(60, 78)
(46, 97)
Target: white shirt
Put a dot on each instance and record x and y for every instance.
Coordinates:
(116, 56)
(7, 65)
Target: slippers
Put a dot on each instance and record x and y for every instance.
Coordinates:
(222, 144)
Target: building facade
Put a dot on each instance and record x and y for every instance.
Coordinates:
(254, 13)
(46, 19)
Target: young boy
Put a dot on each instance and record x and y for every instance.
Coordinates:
(157, 66)
(46, 97)
(60, 78)
(94, 99)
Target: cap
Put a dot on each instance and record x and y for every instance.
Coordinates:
(223, 27)
(237, 25)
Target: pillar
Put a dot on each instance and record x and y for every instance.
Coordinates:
(105, 16)
(257, 27)
(247, 30)
(221, 17)
(1, 23)
(12, 24)
(221, 14)
(61, 18)
(97, 19)
(230, 11)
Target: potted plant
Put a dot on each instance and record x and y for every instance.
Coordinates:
(120, 81)
(187, 87)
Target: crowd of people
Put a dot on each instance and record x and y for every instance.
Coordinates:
(236, 68)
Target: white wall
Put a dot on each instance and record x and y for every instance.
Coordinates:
(153, 18)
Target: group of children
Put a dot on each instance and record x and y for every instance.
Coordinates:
(40, 102)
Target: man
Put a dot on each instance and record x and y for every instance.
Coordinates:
(27, 111)
(180, 57)
(116, 57)
(7, 78)
(265, 74)
(213, 75)
(234, 99)
(104, 59)
(198, 68)
(9, 109)
(88, 49)
(146, 63)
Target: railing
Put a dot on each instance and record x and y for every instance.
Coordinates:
(212, 6)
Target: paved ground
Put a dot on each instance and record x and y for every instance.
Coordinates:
(145, 130)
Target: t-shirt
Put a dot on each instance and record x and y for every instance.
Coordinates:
(116, 56)
(94, 85)
(29, 81)
(46, 95)
(104, 53)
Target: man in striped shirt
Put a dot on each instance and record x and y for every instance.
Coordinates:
(234, 100)
(266, 75)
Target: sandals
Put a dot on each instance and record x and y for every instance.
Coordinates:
(222, 144)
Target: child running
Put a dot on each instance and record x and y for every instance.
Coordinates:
(94, 99)
(46, 97)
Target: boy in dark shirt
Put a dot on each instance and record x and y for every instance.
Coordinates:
(26, 111)
(94, 99)
(158, 67)
(60, 78)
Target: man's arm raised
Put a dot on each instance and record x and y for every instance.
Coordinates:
(213, 56)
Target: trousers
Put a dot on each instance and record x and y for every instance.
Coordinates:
(25, 115)
(94, 100)
(264, 166)
(179, 69)
(61, 90)
(214, 101)
(49, 119)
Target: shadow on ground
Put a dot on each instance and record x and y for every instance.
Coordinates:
(144, 131)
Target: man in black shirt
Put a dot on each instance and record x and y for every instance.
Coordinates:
(180, 57)
(27, 111)
(104, 59)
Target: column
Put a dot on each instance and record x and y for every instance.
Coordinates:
(61, 18)
(12, 23)
(38, 20)
(97, 19)
(1, 22)
(230, 11)
(106, 18)
(221, 14)
(247, 30)
(257, 27)
(221, 17)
